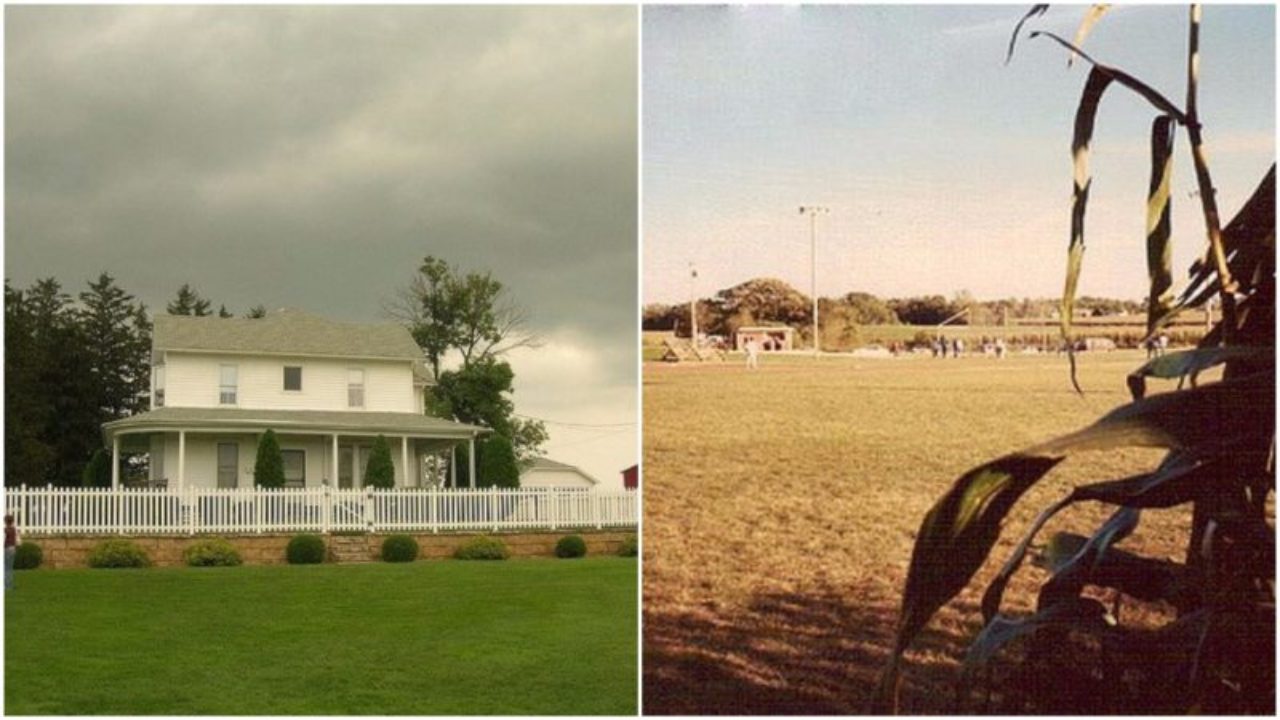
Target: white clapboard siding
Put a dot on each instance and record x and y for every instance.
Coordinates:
(192, 380)
(224, 511)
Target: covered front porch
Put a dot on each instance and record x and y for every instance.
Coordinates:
(217, 447)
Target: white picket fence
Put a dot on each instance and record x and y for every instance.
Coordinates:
(103, 511)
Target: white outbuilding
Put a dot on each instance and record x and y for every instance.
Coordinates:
(544, 472)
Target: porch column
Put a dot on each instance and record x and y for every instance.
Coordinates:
(182, 459)
(404, 459)
(453, 466)
(333, 481)
(115, 462)
(471, 459)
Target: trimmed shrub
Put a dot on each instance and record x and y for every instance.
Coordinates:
(399, 548)
(28, 556)
(496, 463)
(268, 468)
(571, 546)
(211, 552)
(630, 546)
(118, 554)
(482, 548)
(380, 473)
(97, 472)
(305, 549)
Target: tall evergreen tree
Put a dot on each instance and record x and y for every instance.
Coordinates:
(118, 352)
(51, 413)
(97, 472)
(68, 371)
(188, 302)
(28, 457)
(65, 386)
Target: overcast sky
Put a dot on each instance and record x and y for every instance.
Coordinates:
(311, 156)
(944, 169)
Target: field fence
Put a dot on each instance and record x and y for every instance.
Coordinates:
(141, 511)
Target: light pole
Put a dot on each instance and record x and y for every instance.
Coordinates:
(813, 211)
(693, 305)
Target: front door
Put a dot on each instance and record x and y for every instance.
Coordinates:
(228, 465)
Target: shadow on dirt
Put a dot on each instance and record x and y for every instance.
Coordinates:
(794, 654)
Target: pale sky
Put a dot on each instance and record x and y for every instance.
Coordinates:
(311, 156)
(944, 169)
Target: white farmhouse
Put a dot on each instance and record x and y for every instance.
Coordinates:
(544, 472)
(327, 389)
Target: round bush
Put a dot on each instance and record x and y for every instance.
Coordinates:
(118, 554)
(211, 552)
(305, 549)
(482, 548)
(28, 556)
(571, 546)
(630, 546)
(399, 548)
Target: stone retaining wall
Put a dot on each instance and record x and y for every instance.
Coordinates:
(166, 550)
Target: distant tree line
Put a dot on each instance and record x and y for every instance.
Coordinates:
(764, 301)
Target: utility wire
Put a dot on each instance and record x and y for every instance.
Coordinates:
(593, 438)
(575, 425)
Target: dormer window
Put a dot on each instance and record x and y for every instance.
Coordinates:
(293, 378)
(355, 387)
(227, 384)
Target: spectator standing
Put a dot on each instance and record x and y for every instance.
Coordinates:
(10, 550)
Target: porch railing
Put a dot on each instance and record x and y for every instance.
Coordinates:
(132, 511)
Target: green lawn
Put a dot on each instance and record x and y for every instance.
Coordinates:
(522, 637)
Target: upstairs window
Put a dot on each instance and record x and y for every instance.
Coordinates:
(227, 385)
(293, 378)
(158, 393)
(355, 387)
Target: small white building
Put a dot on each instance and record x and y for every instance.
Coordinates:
(769, 338)
(543, 472)
(327, 389)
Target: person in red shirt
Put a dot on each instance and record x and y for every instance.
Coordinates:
(10, 549)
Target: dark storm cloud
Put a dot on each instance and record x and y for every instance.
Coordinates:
(311, 156)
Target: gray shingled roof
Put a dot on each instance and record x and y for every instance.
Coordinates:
(171, 419)
(284, 332)
(422, 374)
(541, 463)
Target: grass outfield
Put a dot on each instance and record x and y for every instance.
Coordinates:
(781, 507)
(522, 637)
